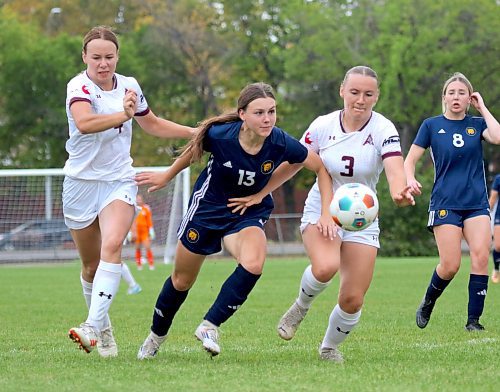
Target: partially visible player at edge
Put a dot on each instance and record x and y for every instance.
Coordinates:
(459, 199)
(495, 200)
(99, 189)
(355, 144)
(245, 147)
(142, 233)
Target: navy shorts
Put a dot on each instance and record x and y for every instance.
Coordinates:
(205, 225)
(453, 217)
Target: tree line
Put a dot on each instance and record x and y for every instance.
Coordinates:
(192, 57)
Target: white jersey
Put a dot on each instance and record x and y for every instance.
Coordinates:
(105, 155)
(349, 157)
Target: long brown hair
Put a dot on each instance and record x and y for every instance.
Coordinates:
(250, 93)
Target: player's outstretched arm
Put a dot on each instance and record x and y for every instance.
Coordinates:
(159, 180)
(410, 164)
(400, 192)
(282, 174)
(161, 127)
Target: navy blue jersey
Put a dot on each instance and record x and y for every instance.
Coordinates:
(232, 172)
(457, 152)
(496, 187)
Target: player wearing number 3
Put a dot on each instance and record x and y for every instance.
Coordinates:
(245, 148)
(459, 199)
(355, 145)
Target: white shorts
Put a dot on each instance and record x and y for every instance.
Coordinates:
(83, 200)
(368, 236)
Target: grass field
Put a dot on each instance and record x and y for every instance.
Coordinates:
(387, 352)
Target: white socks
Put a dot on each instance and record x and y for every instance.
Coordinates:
(127, 276)
(87, 294)
(310, 288)
(339, 326)
(105, 286)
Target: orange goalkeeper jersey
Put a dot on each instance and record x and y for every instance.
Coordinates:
(144, 219)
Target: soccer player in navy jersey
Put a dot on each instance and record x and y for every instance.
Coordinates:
(246, 147)
(494, 200)
(459, 199)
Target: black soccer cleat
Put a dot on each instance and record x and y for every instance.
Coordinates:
(473, 325)
(424, 313)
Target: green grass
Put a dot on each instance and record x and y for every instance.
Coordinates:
(386, 352)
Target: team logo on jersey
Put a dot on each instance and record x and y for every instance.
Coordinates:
(390, 140)
(85, 90)
(470, 131)
(307, 138)
(442, 214)
(369, 140)
(267, 167)
(192, 235)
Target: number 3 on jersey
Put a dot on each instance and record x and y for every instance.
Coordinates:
(246, 178)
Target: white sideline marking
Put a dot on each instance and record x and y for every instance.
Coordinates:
(432, 346)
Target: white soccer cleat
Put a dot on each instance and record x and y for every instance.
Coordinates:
(106, 345)
(150, 347)
(290, 321)
(134, 289)
(208, 335)
(330, 354)
(85, 336)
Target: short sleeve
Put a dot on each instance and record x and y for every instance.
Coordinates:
(295, 151)
(423, 136)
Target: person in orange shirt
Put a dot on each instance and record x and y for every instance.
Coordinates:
(142, 233)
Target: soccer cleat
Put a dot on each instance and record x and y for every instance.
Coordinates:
(473, 325)
(291, 320)
(330, 354)
(495, 277)
(139, 267)
(208, 335)
(424, 313)
(151, 267)
(85, 336)
(106, 345)
(134, 289)
(150, 347)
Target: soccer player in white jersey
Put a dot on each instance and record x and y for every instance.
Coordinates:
(459, 198)
(355, 145)
(99, 189)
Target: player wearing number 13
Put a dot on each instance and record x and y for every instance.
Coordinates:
(459, 199)
(245, 148)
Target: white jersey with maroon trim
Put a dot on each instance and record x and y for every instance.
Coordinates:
(350, 157)
(103, 155)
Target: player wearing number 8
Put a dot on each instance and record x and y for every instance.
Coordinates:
(459, 199)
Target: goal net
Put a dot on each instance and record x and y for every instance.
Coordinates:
(32, 224)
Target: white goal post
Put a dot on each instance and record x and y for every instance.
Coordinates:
(31, 220)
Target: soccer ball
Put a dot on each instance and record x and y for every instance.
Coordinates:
(354, 207)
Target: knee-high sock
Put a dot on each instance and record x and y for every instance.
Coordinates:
(87, 294)
(168, 303)
(127, 275)
(478, 287)
(496, 259)
(310, 288)
(232, 295)
(106, 282)
(436, 287)
(340, 325)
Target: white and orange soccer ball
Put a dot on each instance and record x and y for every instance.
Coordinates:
(354, 207)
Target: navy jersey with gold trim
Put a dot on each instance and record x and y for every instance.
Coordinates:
(457, 152)
(232, 172)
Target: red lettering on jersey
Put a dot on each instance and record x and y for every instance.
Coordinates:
(307, 138)
(369, 140)
(85, 90)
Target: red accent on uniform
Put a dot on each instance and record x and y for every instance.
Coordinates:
(84, 89)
